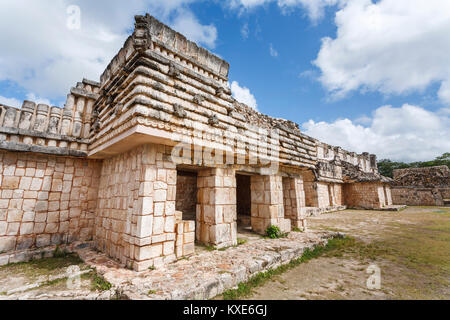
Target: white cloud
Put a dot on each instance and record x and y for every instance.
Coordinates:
(243, 95)
(188, 25)
(390, 46)
(409, 133)
(314, 8)
(245, 31)
(43, 56)
(273, 52)
(38, 100)
(10, 102)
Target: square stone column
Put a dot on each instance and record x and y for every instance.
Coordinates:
(216, 208)
(152, 225)
(267, 204)
(294, 201)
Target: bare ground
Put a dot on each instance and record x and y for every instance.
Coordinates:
(411, 247)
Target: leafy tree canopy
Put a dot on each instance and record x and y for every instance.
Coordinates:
(387, 167)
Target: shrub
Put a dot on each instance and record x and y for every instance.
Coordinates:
(273, 232)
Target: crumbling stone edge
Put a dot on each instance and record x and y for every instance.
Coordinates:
(229, 280)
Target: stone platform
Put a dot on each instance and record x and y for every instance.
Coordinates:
(393, 208)
(207, 274)
(313, 212)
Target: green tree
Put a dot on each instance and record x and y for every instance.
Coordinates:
(387, 167)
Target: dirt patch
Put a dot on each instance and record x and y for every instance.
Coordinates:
(409, 247)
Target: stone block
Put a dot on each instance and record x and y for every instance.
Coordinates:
(148, 252)
(189, 226)
(168, 248)
(15, 215)
(11, 182)
(7, 244)
(220, 234)
(145, 226)
(189, 237)
(158, 225)
(169, 224)
(26, 228)
(13, 229)
(3, 228)
(188, 249)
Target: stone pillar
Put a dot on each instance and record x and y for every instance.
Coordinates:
(66, 122)
(216, 208)
(55, 118)
(294, 201)
(27, 115)
(40, 124)
(267, 204)
(155, 234)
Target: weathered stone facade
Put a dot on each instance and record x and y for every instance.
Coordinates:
(146, 162)
(422, 186)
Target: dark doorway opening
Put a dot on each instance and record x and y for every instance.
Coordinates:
(186, 198)
(243, 201)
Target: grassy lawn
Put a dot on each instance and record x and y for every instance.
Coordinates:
(18, 275)
(411, 247)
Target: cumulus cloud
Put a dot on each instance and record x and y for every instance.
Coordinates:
(188, 24)
(390, 46)
(10, 102)
(315, 8)
(409, 133)
(243, 95)
(44, 56)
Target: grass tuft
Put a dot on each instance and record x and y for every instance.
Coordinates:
(245, 289)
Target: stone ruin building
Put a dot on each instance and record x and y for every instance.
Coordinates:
(158, 156)
(422, 186)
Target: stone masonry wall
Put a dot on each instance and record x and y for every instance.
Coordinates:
(216, 209)
(136, 214)
(310, 189)
(294, 201)
(421, 186)
(323, 195)
(46, 200)
(365, 195)
(268, 204)
(416, 196)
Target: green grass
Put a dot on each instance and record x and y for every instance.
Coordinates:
(99, 283)
(245, 289)
(35, 268)
(241, 242)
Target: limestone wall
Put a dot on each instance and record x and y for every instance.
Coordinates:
(367, 195)
(46, 200)
(420, 196)
(423, 177)
(421, 186)
(294, 201)
(216, 209)
(135, 220)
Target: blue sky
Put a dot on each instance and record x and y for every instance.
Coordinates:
(379, 83)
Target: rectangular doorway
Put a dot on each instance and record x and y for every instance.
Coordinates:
(243, 201)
